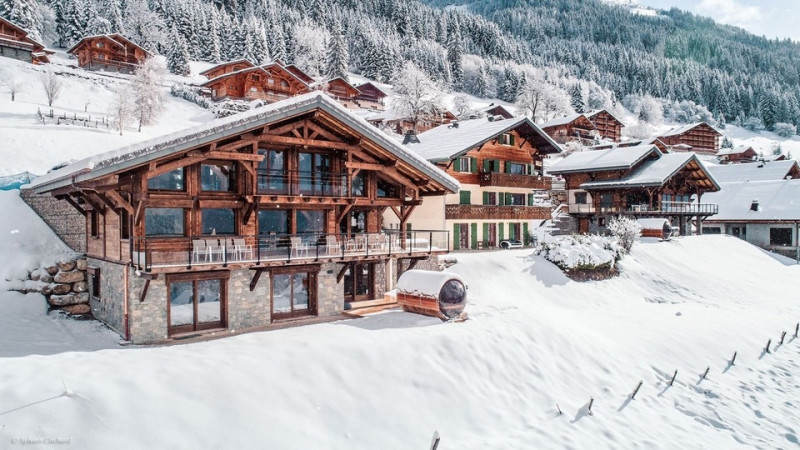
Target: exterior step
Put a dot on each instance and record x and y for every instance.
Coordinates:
(362, 308)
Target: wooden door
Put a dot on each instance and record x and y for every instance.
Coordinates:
(359, 282)
(583, 226)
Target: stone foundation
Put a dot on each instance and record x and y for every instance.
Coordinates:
(64, 285)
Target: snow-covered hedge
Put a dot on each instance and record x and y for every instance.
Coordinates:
(626, 231)
(582, 252)
(191, 94)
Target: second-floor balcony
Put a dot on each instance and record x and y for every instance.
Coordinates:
(500, 179)
(663, 209)
(318, 184)
(496, 212)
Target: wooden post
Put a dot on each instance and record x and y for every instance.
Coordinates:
(591, 402)
(766, 349)
(733, 360)
(435, 441)
(638, 386)
(705, 374)
(783, 335)
(673, 377)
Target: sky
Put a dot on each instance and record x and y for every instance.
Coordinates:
(772, 18)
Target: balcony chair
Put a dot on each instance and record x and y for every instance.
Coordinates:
(198, 249)
(332, 246)
(214, 247)
(242, 249)
(298, 246)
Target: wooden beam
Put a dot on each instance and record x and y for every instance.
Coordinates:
(407, 210)
(170, 166)
(230, 156)
(322, 132)
(288, 140)
(106, 200)
(137, 216)
(256, 277)
(248, 211)
(98, 206)
(396, 212)
(143, 294)
(72, 202)
(121, 202)
(341, 272)
(364, 166)
(346, 209)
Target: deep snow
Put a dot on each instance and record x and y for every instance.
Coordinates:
(534, 339)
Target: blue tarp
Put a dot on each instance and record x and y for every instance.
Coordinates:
(15, 181)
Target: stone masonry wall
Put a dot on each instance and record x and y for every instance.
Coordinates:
(109, 307)
(66, 222)
(248, 309)
(147, 319)
(330, 294)
(64, 285)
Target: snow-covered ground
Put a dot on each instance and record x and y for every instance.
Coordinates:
(534, 340)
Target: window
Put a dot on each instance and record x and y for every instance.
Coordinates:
(601, 222)
(463, 165)
(196, 301)
(386, 190)
(513, 199)
(218, 221)
(464, 197)
(94, 223)
(94, 278)
(310, 221)
(490, 198)
(515, 168)
(358, 186)
(101, 44)
(780, 237)
(292, 294)
(284, 84)
(169, 181)
(580, 198)
(163, 222)
(712, 230)
(506, 139)
(256, 78)
(272, 171)
(270, 81)
(739, 231)
(315, 173)
(218, 177)
(273, 222)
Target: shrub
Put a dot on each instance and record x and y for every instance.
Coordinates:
(785, 129)
(191, 94)
(581, 252)
(626, 231)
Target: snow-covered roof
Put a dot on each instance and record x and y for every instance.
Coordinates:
(591, 114)
(758, 171)
(113, 37)
(141, 153)
(495, 106)
(610, 159)
(734, 151)
(653, 223)
(651, 173)
(561, 120)
(777, 201)
(425, 283)
(228, 63)
(683, 129)
(447, 141)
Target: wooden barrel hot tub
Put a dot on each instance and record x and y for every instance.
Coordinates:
(657, 228)
(438, 294)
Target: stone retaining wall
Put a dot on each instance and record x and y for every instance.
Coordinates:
(64, 285)
(63, 219)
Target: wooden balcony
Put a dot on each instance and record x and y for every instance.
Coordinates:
(499, 179)
(664, 209)
(496, 212)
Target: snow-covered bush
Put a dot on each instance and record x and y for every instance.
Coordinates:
(753, 124)
(785, 129)
(582, 252)
(191, 94)
(641, 130)
(626, 230)
(688, 111)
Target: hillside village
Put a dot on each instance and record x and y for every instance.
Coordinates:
(243, 196)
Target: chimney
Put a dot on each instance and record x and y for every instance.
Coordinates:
(410, 138)
(491, 118)
(754, 205)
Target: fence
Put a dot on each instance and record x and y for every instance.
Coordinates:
(74, 119)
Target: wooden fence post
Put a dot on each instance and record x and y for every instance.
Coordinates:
(636, 390)
(673, 377)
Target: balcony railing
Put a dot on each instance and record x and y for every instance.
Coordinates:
(501, 179)
(496, 212)
(666, 209)
(204, 251)
(286, 182)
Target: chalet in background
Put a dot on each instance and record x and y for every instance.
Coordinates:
(636, 181)
(499, 165)
(226, 68)
(759, 171)
(399, 123)
(271, 82)
(697, 137)
(608, 126)
(344, 92)
(740, 154)
(497, 110)
(109, 52)
(571, 128)
(15, 43)
(270, 215)
(371, 97)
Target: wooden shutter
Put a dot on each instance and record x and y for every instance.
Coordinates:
(464, 197)
(486, 234)
(487, 165)
(501, 198)
(456, 165)
(507, 167)
(500, 229)
(485, 198)
(509, 199)
(525, 238)
(473, 239)
(530, 199)
(473, 165)
(511, 231)
(511, 139)
(456, 236)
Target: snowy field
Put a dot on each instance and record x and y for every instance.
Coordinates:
(534, 340)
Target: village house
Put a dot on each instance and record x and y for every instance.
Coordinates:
(764, 213)
(636, 181)
(740, 154)
(608, 126)
(226, 68)
(497, 110)
(399, 123)
(109, 52)
(697, 137)
(343, 92)
(271, 82)
(250, 221)
(499, 165)
(371, 97)
(571, 128)
(15, 43)
(759, 171)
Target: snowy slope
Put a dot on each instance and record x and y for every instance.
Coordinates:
(535, 339)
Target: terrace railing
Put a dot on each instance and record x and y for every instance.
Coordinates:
(286, 182)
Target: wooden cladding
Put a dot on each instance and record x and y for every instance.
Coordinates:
(496, 212)
(498, 179)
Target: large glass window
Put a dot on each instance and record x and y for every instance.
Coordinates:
(220, 177)
(272, 171)
(516, 168)
(315, 173)
(169, 181)
(780, 236)
(218, 221)
(196, 304)
(385, 189)
(272, 222)
(163, 222)
(291, 294)
(310, 221)
(358, 186)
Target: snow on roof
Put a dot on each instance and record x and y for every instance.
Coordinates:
(425, 283)
(758, 171)
(560, 120)
(652, 173)
(227, 63)
(610, 159)
(112, 37)
(777, 200)
(683, 129)
(262, 68)
(446, 141)
(140, 153)
(734, 151)
(591, 114)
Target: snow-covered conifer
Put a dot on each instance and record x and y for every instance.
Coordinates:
(178, 55)
(338, 62)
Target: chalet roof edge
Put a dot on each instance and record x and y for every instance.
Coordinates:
(109, 36)
(554, 169)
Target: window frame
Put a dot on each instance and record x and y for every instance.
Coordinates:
(581, 198)
(218, 233)
(233, 177)
(311, 274)
(773, 238)
(223, 276)
(183, 181)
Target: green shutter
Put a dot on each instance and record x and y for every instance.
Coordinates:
(473, 165)
(501, 198)
(525, 238)
(486, 234)
(474, 235)
(408, 226)
(529, 169)
(507, 168)
(464, 197)
(509, 199)
(511, 139)
(530, 199)
(456, 165)
(500, 231)
(496, 165)
(511, 231)
(487, 165)
(485, 198)
(456, 237)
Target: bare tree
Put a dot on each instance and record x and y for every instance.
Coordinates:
(418, 96)
(542, 100)
(123, 109)
(14, 86)
(148, 94)
(52, 86)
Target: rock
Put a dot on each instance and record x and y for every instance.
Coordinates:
(35, 276)
(82, 308)
(46, 278)
(80, 286)
(46, 290)
(81, 264)
(52, 270)
(83, 297)
(69, 277)
(62, 300)
(66, 266)
(61, 289)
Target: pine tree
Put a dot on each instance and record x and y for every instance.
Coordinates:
(338, 55)
(768, 109)
(177, 54)
(62, 26)
(576, 98)
(454, 55)
(213, 51)
(24, 13)
(482, 83)
(115, 16)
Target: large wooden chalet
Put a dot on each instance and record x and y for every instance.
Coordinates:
(109, 52)
(571, 128)
(397, 122)
(635, 181)
(371, 97)
(608, 126)
(244, 81)
(15, 43)
(697, 137)
(499, 163)
(271, 215)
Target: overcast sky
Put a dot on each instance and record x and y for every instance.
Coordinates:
(772, 18)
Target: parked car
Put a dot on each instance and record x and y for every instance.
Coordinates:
(511, 243)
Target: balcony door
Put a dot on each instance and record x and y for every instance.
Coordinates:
(196, 302)
(314, 174)
(272, 172)
(359, 282)
(293, 294)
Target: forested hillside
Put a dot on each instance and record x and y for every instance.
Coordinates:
(592, 53)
